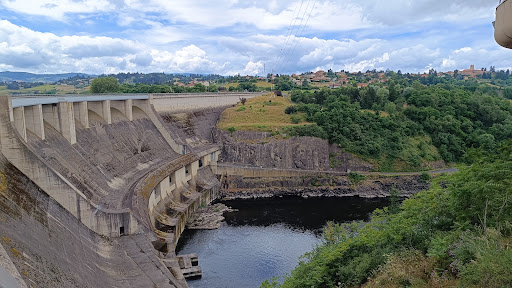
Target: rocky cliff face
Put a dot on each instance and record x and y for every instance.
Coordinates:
(238, 187)
(307, 153)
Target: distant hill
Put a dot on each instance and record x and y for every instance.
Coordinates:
(30, 77)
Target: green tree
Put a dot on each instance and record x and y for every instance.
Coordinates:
(394, 197)
(105, 85)
(393, 92)
(368, 97)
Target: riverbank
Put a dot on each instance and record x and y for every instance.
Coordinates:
(370, 186)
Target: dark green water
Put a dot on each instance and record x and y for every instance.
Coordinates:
(266, 237)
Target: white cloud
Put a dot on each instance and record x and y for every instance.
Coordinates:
(25, 49)
(237, 36)
(57, 9)
(463, 50)
(188, 59)
(253, 68)
(448, 63)
(396, 12)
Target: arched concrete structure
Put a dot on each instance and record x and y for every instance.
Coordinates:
(156, 198)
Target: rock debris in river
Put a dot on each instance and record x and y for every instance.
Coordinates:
(208, 218)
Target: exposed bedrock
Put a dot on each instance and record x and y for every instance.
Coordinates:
(238, 187)
(306, 153)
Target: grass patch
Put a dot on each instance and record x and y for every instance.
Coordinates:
(271, 103)
(320, 84)
(264, 115)
(263, 84)
(259, 84)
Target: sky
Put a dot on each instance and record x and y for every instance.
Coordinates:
(247, 37)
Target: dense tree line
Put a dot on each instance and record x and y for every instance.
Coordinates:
(408, 124)
(111, 85)
(163, 78)
(150, 78)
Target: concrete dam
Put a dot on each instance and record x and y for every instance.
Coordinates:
(95, 190)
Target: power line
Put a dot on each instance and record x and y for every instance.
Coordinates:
(287, 49)
(281, 64)
(290, 32)
(302, 32)
(297, 37)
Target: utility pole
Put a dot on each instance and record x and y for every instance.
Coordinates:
(272, 76)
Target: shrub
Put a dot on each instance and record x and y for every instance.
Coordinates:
(492, 269)
(355, 178)
(231, 129)
(242, 108)
(290, 110)
(296, 119)
(394, 196)
(307, 130)
(425, 177)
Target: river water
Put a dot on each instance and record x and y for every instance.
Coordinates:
(266, 237)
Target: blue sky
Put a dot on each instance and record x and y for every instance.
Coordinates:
(247, 37)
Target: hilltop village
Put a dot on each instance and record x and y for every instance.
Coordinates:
(193, 83)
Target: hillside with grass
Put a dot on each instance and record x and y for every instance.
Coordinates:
(262, 114)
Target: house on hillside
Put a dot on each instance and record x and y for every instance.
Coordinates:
(471, 72)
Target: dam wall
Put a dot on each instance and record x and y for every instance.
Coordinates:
(54, 183)
(192, 101)
(49, 247)
(100, 166)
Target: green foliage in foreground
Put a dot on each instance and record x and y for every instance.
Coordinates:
(458, 233)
